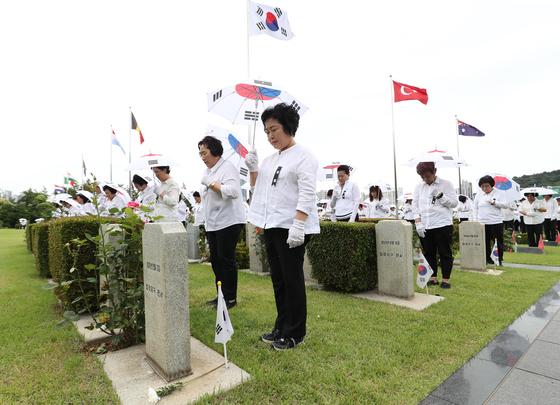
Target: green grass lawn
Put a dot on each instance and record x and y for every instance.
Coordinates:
(356, 351)
(39, 363)
(550, 257)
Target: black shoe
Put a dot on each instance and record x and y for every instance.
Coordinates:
(286, 343)
(213, 302)
(490, 262)
(445, 285)
(432, 282)
(231, 304)
(271, 337)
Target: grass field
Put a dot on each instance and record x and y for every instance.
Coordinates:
(550, 257)
(356, 351)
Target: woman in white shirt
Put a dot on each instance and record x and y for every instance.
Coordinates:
(346, 197)
(284, 204)
(464, 208)
(488, 210)
(532, 211)
(376, 206)
(84, 197)
(224, 215)
(113, 200)
(167, 195)
(408, 211)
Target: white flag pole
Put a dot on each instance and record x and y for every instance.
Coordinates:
(226, 364)
(130, 150)
(111, 157)
(394, 147)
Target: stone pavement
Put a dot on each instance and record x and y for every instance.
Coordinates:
(520, 366)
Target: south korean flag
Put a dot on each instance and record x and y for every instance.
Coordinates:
(269, 20)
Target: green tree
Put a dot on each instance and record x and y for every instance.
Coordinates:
(29, 205)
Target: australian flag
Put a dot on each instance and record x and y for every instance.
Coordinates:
(468, 130)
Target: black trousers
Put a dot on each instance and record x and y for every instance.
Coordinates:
(508, 225)
(534, 233)
(463, 219)
(549, 231)
(494, 232)
(286, 271)
(439, 241)
(222, 256)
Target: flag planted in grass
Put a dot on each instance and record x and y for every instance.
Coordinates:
(224, 328)
(424, 271)
(495, 254)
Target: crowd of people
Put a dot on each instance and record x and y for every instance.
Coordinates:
(283, 208)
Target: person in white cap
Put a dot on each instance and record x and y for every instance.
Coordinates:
(146, 192)
(532, 211)
(73, 208)
(85, 198)
(114, 199)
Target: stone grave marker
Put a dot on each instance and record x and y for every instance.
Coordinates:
(166, 299)
(193, 235)
(257, 252)
(394, 258)
(472, 245)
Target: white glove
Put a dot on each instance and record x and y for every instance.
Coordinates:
(252, 161)
(205, 181)
(296, 234)
(420, 229)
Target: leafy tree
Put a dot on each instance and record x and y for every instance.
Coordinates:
(29, 205)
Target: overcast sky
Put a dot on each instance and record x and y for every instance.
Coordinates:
(71, 69)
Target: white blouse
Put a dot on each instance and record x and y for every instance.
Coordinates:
(285, 184)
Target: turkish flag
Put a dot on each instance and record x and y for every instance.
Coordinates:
(405, 92)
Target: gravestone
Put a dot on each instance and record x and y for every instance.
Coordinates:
(472, 245)
(112, 239)
(394, 258)
(166, 299)
(529, 249)
(257, 252)
(193, 235)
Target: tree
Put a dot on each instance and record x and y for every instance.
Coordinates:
(29, 205)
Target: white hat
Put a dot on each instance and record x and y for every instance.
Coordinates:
(86, 194)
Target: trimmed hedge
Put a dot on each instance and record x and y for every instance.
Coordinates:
(62, 231)
(40, 242)
(343, 256)
(29, 237)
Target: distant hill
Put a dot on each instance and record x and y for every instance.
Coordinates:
(539, 179)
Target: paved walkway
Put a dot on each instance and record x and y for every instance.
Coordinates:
(520, 366)
(457, 263)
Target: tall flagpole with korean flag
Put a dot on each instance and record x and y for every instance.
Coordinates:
(269, 20)
(403, 92)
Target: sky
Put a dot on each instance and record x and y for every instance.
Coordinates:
(72, 69)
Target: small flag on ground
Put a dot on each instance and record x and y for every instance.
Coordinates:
(269, 20)
(404, 92)
(495, 255)
(558, 237)
(424, 271)
(136, 127)
(468, 130)
(115, 141)
(541, 244)
(224, 328)
(514, 241)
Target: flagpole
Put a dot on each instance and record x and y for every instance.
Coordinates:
(249, 75)
(129, 149)
(226, 364)
(458, 156)
(111, 157)
(83, 165)
(394, 147)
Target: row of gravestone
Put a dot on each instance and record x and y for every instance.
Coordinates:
(166, 293)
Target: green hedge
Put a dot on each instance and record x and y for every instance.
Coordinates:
(242, 255)
(62, 231)
(40, 240)
(343, 256)
(29, 237)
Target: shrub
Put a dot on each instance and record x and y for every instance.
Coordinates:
(29, 237)
(343, 256)
(41, 248)
(242, 255)
(61, 232)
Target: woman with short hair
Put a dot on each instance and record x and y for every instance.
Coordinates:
(113, 200)
(284, 207)
(84, 197)
(533, 216)
(346, 197)
(487, 209)
(167, 195)
(224, 215)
